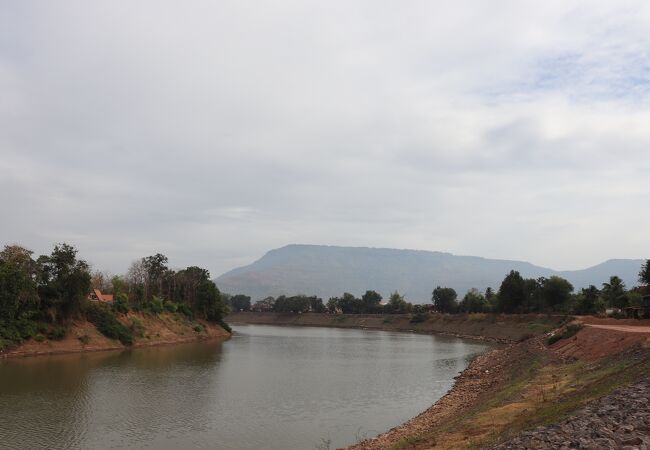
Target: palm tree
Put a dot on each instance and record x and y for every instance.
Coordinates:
(614, 293)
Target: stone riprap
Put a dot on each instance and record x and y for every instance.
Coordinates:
(620, 420)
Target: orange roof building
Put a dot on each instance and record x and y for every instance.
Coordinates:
(97, 296)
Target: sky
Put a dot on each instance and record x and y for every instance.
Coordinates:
(214, 131)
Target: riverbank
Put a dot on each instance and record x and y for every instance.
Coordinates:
(526, 385)
(487, 327)
(149, 330)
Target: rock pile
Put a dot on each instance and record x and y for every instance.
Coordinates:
(620, 420)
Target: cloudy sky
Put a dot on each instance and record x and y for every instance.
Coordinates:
(213, 131)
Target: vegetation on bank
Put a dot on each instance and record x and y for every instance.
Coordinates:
(516, 295)
(40, 297)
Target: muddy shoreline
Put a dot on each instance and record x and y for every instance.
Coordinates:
(484, 327)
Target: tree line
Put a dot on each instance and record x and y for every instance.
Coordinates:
(40, 296)
(516, 294)
(555, 294)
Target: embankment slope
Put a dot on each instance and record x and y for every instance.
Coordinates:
(82, 336)
(491, 327)
(527, 385)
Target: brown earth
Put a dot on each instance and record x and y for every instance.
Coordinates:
(522, 386)
(163, 329)
(489, 327)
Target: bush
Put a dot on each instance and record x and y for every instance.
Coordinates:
(225, 326)
(121, 304)
(419, 317)
(617, 315)
(185, 310)
(568, 332)
(137, 327)
(85, 339)
(155, 305)
(170, 306)
(107, 324)
(199, 328)
(56, 333)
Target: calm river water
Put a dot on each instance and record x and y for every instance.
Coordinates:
(266, 388)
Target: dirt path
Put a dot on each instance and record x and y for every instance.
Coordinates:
(624, 328)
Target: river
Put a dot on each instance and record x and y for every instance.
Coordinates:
(268, 387)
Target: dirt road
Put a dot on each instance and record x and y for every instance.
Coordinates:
(624, 328)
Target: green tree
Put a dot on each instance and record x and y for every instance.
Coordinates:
(64, 282)
(473, 302)
(555, 292)
(240, 302)
(512, 293)
(588, 301)
(370, 302)
(444, 299)
(614, 293)
(397, 304)
(644, 274)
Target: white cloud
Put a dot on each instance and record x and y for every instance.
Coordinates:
(214, 131)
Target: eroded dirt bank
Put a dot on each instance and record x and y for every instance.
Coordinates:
(526, 385)
(164, 329)
(490, 327)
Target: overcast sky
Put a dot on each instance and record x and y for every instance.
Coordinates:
(213, 131)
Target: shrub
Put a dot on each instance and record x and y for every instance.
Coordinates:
(56, 333)
(568, 332)
(225, 326)
(170, 306)
(199, 328)
(155, 305)
(419, 317)
(85, 339)
(107, 324)
(137, 327)
(185, 310)
(121, 304)
(39, 338)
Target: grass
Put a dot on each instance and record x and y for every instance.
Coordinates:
(540, 392)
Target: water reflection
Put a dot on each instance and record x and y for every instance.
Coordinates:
(267, 387)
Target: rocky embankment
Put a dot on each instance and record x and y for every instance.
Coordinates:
(488, 327)
(620, 420)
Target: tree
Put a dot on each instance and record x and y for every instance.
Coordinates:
(240, 302)
(444, 299)
(370, 301)
(473, 302)
(588, 301)
(511, 293)
(614, 293)
(155, 267)
(333, 305)
(64, 281)
(316, 305)
(555, 292)
(644, 274)
(397, 304)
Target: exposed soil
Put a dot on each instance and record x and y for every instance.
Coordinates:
(164, 329)
(518, 387)
(484, 375)
(488, 327)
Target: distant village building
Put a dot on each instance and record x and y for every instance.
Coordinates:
(97, 296)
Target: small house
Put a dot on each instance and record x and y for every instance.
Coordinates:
(97, 296)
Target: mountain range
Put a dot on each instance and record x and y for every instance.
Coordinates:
(328, 271)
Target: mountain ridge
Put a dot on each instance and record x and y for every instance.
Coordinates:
(329, 270)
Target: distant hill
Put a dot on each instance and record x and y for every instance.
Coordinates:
(329, 271)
